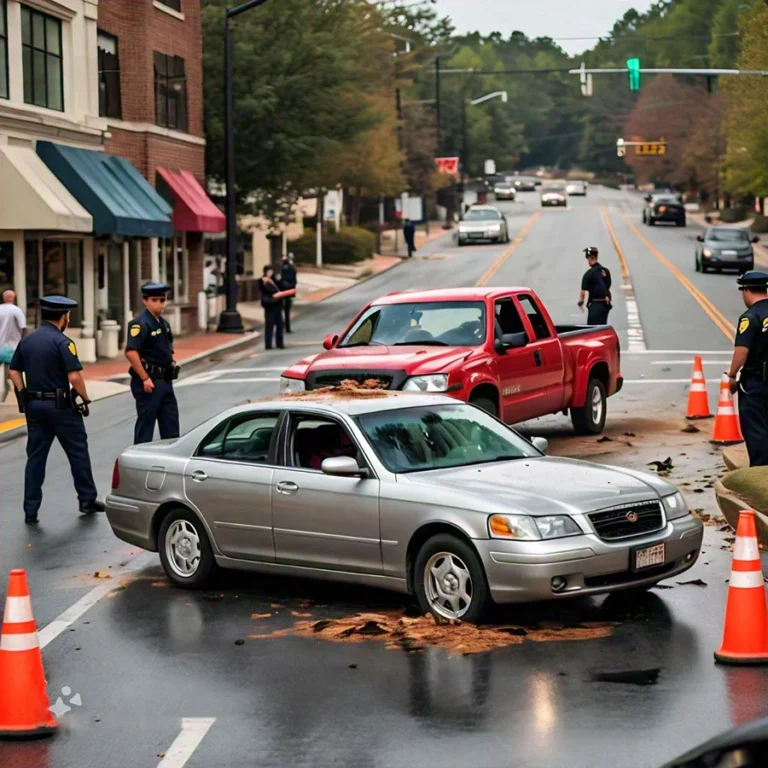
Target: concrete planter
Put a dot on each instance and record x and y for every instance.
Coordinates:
(735, 457)
(731, 505)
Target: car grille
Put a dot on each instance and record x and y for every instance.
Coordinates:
(387, 379)
(612, 524)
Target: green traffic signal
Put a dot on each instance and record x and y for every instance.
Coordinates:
(633, 69)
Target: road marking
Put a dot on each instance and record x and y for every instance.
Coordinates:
(7, 426)
(635, 334)
(193, 730)
(686, 362)
(64, 620)
(728, 352)
(714, 314)
(664, 381)
(497, 265)
(237, 380)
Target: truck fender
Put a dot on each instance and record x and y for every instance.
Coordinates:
(588, 364)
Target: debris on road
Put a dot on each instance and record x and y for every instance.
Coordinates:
(240, 641)
(628, 677)
(661, 467)
(102, 575)
(690, 429)
(605, 439)
(257, 616)
(693, 582)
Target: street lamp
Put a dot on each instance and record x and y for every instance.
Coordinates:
(230, 320)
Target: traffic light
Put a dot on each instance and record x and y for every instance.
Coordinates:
(633, 69)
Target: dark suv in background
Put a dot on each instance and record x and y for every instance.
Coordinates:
(725, 248)
(664, 206)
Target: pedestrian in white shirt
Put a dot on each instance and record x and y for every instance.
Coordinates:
(12, 325)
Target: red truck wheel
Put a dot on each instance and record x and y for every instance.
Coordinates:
(589, 419)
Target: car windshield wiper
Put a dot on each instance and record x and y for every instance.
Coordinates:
(431, 343)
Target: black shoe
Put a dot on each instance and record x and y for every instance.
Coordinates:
(281, 346)
(31, 519)
(288, 330)
(89, 507)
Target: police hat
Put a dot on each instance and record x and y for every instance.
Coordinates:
(591, 250)
(57, 303)
(154, 289)
(753, 280)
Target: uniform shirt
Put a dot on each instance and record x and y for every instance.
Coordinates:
(597, 282)
(752, 332)
(288, 276)
(268, 289)
(46, 356)
(152, 338)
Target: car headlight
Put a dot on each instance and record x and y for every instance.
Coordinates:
(706, 253)
(675, 506)
(292, 385)
(525, 528)
(436, 382)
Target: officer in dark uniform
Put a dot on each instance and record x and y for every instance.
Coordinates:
(596, 288)
(750, 356)
(150, 352)
(288, 281)
(272, 297)
(49, 399)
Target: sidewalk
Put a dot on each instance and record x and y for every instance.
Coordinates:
(761, 250)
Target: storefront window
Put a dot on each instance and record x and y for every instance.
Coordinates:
(63, 273)
(32, 269)
(6, 266)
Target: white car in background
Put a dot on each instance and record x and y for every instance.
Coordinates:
(483, 222)
(576, 188)
(554, 195)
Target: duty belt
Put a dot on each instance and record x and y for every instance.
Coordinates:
(167, 373)
(61, 397)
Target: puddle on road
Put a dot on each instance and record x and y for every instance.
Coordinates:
(397, 630)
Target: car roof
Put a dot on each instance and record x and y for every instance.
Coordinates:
(447, 294)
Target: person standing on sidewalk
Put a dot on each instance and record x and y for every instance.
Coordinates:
(12, 325)
(409, 233)
(288, 282)
(153, 370)
(272, 301)
(48, 359)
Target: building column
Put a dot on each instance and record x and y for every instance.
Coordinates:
(19, 269)
(185, 266)
(154, 257)
(87, 346)
(126, 288)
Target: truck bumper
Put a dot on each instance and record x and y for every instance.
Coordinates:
(619, 384)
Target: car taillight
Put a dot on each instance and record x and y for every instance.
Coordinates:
(116, 475)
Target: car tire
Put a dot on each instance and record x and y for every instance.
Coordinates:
(698, 264)
(462, 564)
(589, 419)
(485, 404)
(645, 218)
(185, 523)
(680, 223)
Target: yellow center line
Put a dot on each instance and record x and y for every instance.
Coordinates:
(497, 265)
(7, 426)
(714, 314)
(617, 247)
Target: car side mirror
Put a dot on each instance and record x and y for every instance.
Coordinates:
(330, 341)
(700, 238)
(514, 340)
(541, 443)
(755, 239)
(343, 466)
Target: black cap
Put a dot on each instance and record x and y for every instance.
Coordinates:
(591, 250)
(154, 289)
(754, 279)
(57, 303)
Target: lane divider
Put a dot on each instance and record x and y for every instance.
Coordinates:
(635, 334)
(499, 263)
(715, 315)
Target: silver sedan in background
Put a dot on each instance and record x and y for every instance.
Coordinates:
(483, 222)
(413, 492)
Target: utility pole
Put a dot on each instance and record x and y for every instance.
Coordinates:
(437, 104)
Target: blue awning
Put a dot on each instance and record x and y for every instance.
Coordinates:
(120, 199)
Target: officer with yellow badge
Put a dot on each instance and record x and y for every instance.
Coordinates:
(150, 352)
(750, 356)
(45, 371)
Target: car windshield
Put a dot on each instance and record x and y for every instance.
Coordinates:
(440, 437)
(666, 199)
(728, 235)
(481, 214)
(437, 323)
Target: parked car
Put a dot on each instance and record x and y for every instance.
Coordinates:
(664, 207)
(504, 191)
(483, 222)
(576, 188)
(524, 184)
(418, 494)
(726, 248)
(554, 195)
(494, 347)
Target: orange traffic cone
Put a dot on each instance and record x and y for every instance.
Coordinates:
(745, 638)
(698, 400)
(726, 429)
(23, 699)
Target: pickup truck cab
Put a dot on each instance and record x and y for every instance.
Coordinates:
(494, 347)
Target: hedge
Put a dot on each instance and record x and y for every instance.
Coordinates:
(734, 214)
(760, 224)
(349, 245)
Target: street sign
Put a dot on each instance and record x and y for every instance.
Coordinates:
(633, 69)
(651, 148)
(586, 81)
(449, 165)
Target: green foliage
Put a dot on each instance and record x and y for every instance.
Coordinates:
(349, 245)
(734, 214)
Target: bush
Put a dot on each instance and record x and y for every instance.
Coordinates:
(760, 224)
(347, 246)
(733, 214)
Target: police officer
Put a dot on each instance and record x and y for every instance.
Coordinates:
(750, 356)
(48, 360)
(153, 370)
(596, 286)
(272, 297)
(287, 282)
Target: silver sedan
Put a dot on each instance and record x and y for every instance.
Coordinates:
(412, 492)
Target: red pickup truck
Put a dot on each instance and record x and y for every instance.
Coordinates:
(494, 347)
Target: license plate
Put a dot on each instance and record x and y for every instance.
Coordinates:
(649, 556)
(729, 253)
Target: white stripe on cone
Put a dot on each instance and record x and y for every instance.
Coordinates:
(698, 387)
(26, 642)
(746, 549)
(18, 609)
(746, 579)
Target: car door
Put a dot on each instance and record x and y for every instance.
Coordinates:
(518, 368)
(230, 479)
(322, 521)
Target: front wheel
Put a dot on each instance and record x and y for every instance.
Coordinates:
(589, 419)
(185, 551)
(698, 265)
(449, 579)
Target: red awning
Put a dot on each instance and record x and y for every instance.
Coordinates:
(193, 210)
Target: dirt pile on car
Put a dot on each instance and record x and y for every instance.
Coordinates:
(407, 632)
(345, 390)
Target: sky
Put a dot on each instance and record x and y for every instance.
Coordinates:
(539, 18)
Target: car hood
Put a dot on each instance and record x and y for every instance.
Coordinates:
(538, 486)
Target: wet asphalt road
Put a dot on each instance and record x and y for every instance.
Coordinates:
(147, 655)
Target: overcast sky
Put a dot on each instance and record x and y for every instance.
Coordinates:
(539, 18)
